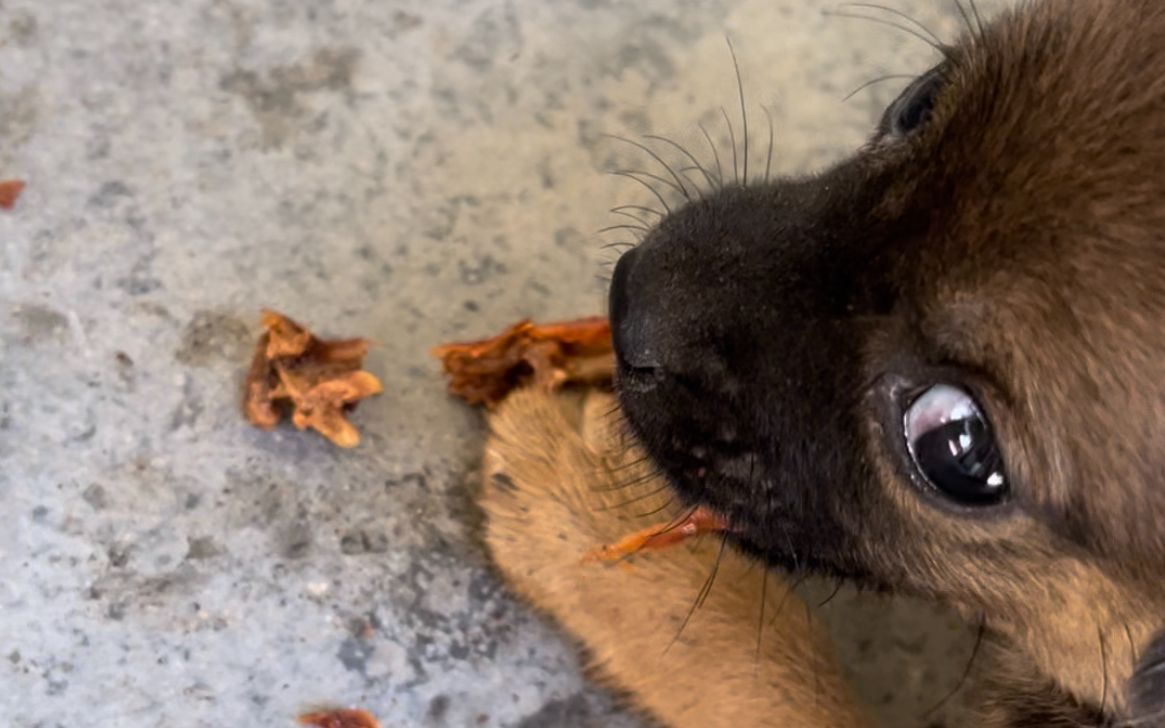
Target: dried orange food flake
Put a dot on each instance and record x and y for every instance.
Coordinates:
(340, 718)
(655, 538)
(318, 381)
(10, 190)
(550, 355)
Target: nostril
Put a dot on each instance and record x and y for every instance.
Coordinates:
(630, 330)
(618, 295)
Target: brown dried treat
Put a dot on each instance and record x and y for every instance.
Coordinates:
(550, 355)
(317, 381)
(656, 538)
(10, 190)
(339, 718)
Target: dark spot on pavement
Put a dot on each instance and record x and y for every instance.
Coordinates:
(573, 711)
(213, 336)
(495, 35)
(23, 28)
(481, 270)
(37, 324)
(95, 496)
(274, 97)
(438, 707)
(118, 556)
(415, 480)
(295, 541)
(19, 120)
(108, 194)
(354, 653)
(363, 541)
(203, 547)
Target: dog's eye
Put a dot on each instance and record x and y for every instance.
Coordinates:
(913, 108)
(953, 447)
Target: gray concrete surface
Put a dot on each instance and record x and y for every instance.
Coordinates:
(408, 171)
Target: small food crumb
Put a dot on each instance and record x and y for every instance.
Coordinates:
(339, 718)
(317, 588)
(551, 355)
(318, 381)
(655, 538)
(10, 190)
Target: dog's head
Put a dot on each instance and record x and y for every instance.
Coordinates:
(939, 367)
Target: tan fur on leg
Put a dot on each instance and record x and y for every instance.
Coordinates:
(553, 475)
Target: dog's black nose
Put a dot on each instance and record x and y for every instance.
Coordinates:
(630, 319)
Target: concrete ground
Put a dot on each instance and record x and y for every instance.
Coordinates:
(408, 171)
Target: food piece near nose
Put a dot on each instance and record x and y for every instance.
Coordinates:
(545, 355)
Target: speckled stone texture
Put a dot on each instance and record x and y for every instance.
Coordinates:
(408, 171)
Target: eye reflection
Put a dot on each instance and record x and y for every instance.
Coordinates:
(953, 447)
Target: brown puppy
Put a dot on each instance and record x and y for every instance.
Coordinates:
(935, 369)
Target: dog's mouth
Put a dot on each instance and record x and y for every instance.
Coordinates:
(699, 381)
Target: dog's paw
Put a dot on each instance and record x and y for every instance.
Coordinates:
(560, 481)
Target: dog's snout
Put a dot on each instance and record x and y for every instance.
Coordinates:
(630, 319)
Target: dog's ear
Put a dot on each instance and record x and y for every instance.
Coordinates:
(1147, 685)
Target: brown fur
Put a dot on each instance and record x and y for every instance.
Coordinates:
(1019, 239)
(552, 475)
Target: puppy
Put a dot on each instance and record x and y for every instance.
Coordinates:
(936, 369)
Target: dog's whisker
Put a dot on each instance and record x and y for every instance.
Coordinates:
(1103, 669)
(966, 17)
(632, 501)
(656, 511)
(615, 418)
(683, 150)
(832, 594)
(637, 480)
(743, 112)
(789, 591)
(640, 208)
(627, 465)
(715, 155)
(678, 521)
(687, 170)
(702, 595)
(628, 483)
(978, 20)
(898, 26)
(732, 140)
(813, 659)
(671, 526)
(792, 552)
(769, 156)
(655, 178)
(1132, 644)
(875, 81)
(652, 189)
(760, 623)
(966, 670)
(614, 409)
(643, 224)
(905, 16)
(621, 245)
(678, 180)
(610, 228)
